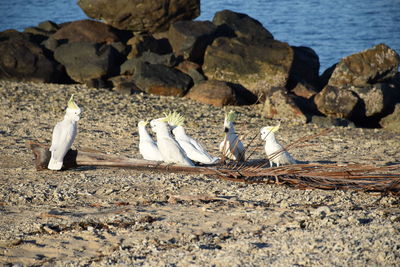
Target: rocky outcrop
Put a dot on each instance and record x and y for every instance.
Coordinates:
(161, 80)
(139, 15)
(86, 31)
(169, 60)
(88, 61)
(370, 66)
(359, 86)
(145, 42)
(24, 60)
(242, 26)
(190, 38)
(258, 67)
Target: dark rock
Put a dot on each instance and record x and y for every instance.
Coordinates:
(392, 121)
(305, 68)
(87, 61)
(190, 38)
(280, 105)
(24, 60)
(373, 65)
(216, 93)
(377, 99)
(335, 102)
(124, 84)
(46, 28)
(87, 31)
(193, 70)
(242, 26)
(257, 67)
(139, 15)
(161, 80)
(51, 44)
(129, 66)
(98, 83)
(143, 42)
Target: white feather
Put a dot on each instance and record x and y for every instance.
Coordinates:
(64, 134)
(231, 146)
(169, 148)
(147, 147)
(192, 148)
(274, 150)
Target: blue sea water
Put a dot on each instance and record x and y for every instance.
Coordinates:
(333, 28)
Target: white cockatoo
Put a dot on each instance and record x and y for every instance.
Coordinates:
(193, 149)
(147, 147)
(64, 134)
(274, 150)
(231, 146)
(170, 150)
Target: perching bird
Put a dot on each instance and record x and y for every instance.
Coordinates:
(170, 150)
(274, 150)
(147, 147)
(231, 146)
(193, 149)
(64, 134)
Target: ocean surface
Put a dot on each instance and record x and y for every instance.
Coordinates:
(333, 28)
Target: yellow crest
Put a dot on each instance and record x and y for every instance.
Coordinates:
(72, 104)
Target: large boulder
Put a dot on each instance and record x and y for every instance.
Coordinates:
(88, 61)
(169, 60)
(242, 26)
(139, 15)
(216, 93)
(24, 60)
(335, 102)
(190, 38)
(258, 67)
(145, 42)
(161, 80)
(281, 105)
(370, 66)
(86, 31)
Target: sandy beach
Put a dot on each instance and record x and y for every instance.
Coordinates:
(122, 217)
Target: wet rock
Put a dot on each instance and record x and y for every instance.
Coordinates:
(216, 93)
(242, 26)
(392, 121)
(86, 31)
(257, 67)
(280, 105)
(190, 38)
(305, 68)
(161, 80)
(87, 61)
(193, 70)
(143, 42)
(373, 65)
(138, 15)
(335, 102)
(24, 60)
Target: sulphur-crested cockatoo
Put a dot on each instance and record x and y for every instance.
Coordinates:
(170, 150)
(193, 149)
(274, 150)
(147, 147)
(231, 146)
(64, 134)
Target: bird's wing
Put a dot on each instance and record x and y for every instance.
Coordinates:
(63, 137)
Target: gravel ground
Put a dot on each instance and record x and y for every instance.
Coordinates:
(109, 216)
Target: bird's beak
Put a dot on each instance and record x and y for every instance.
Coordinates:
(226, 129)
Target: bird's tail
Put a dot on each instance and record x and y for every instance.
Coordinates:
(55, 165)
